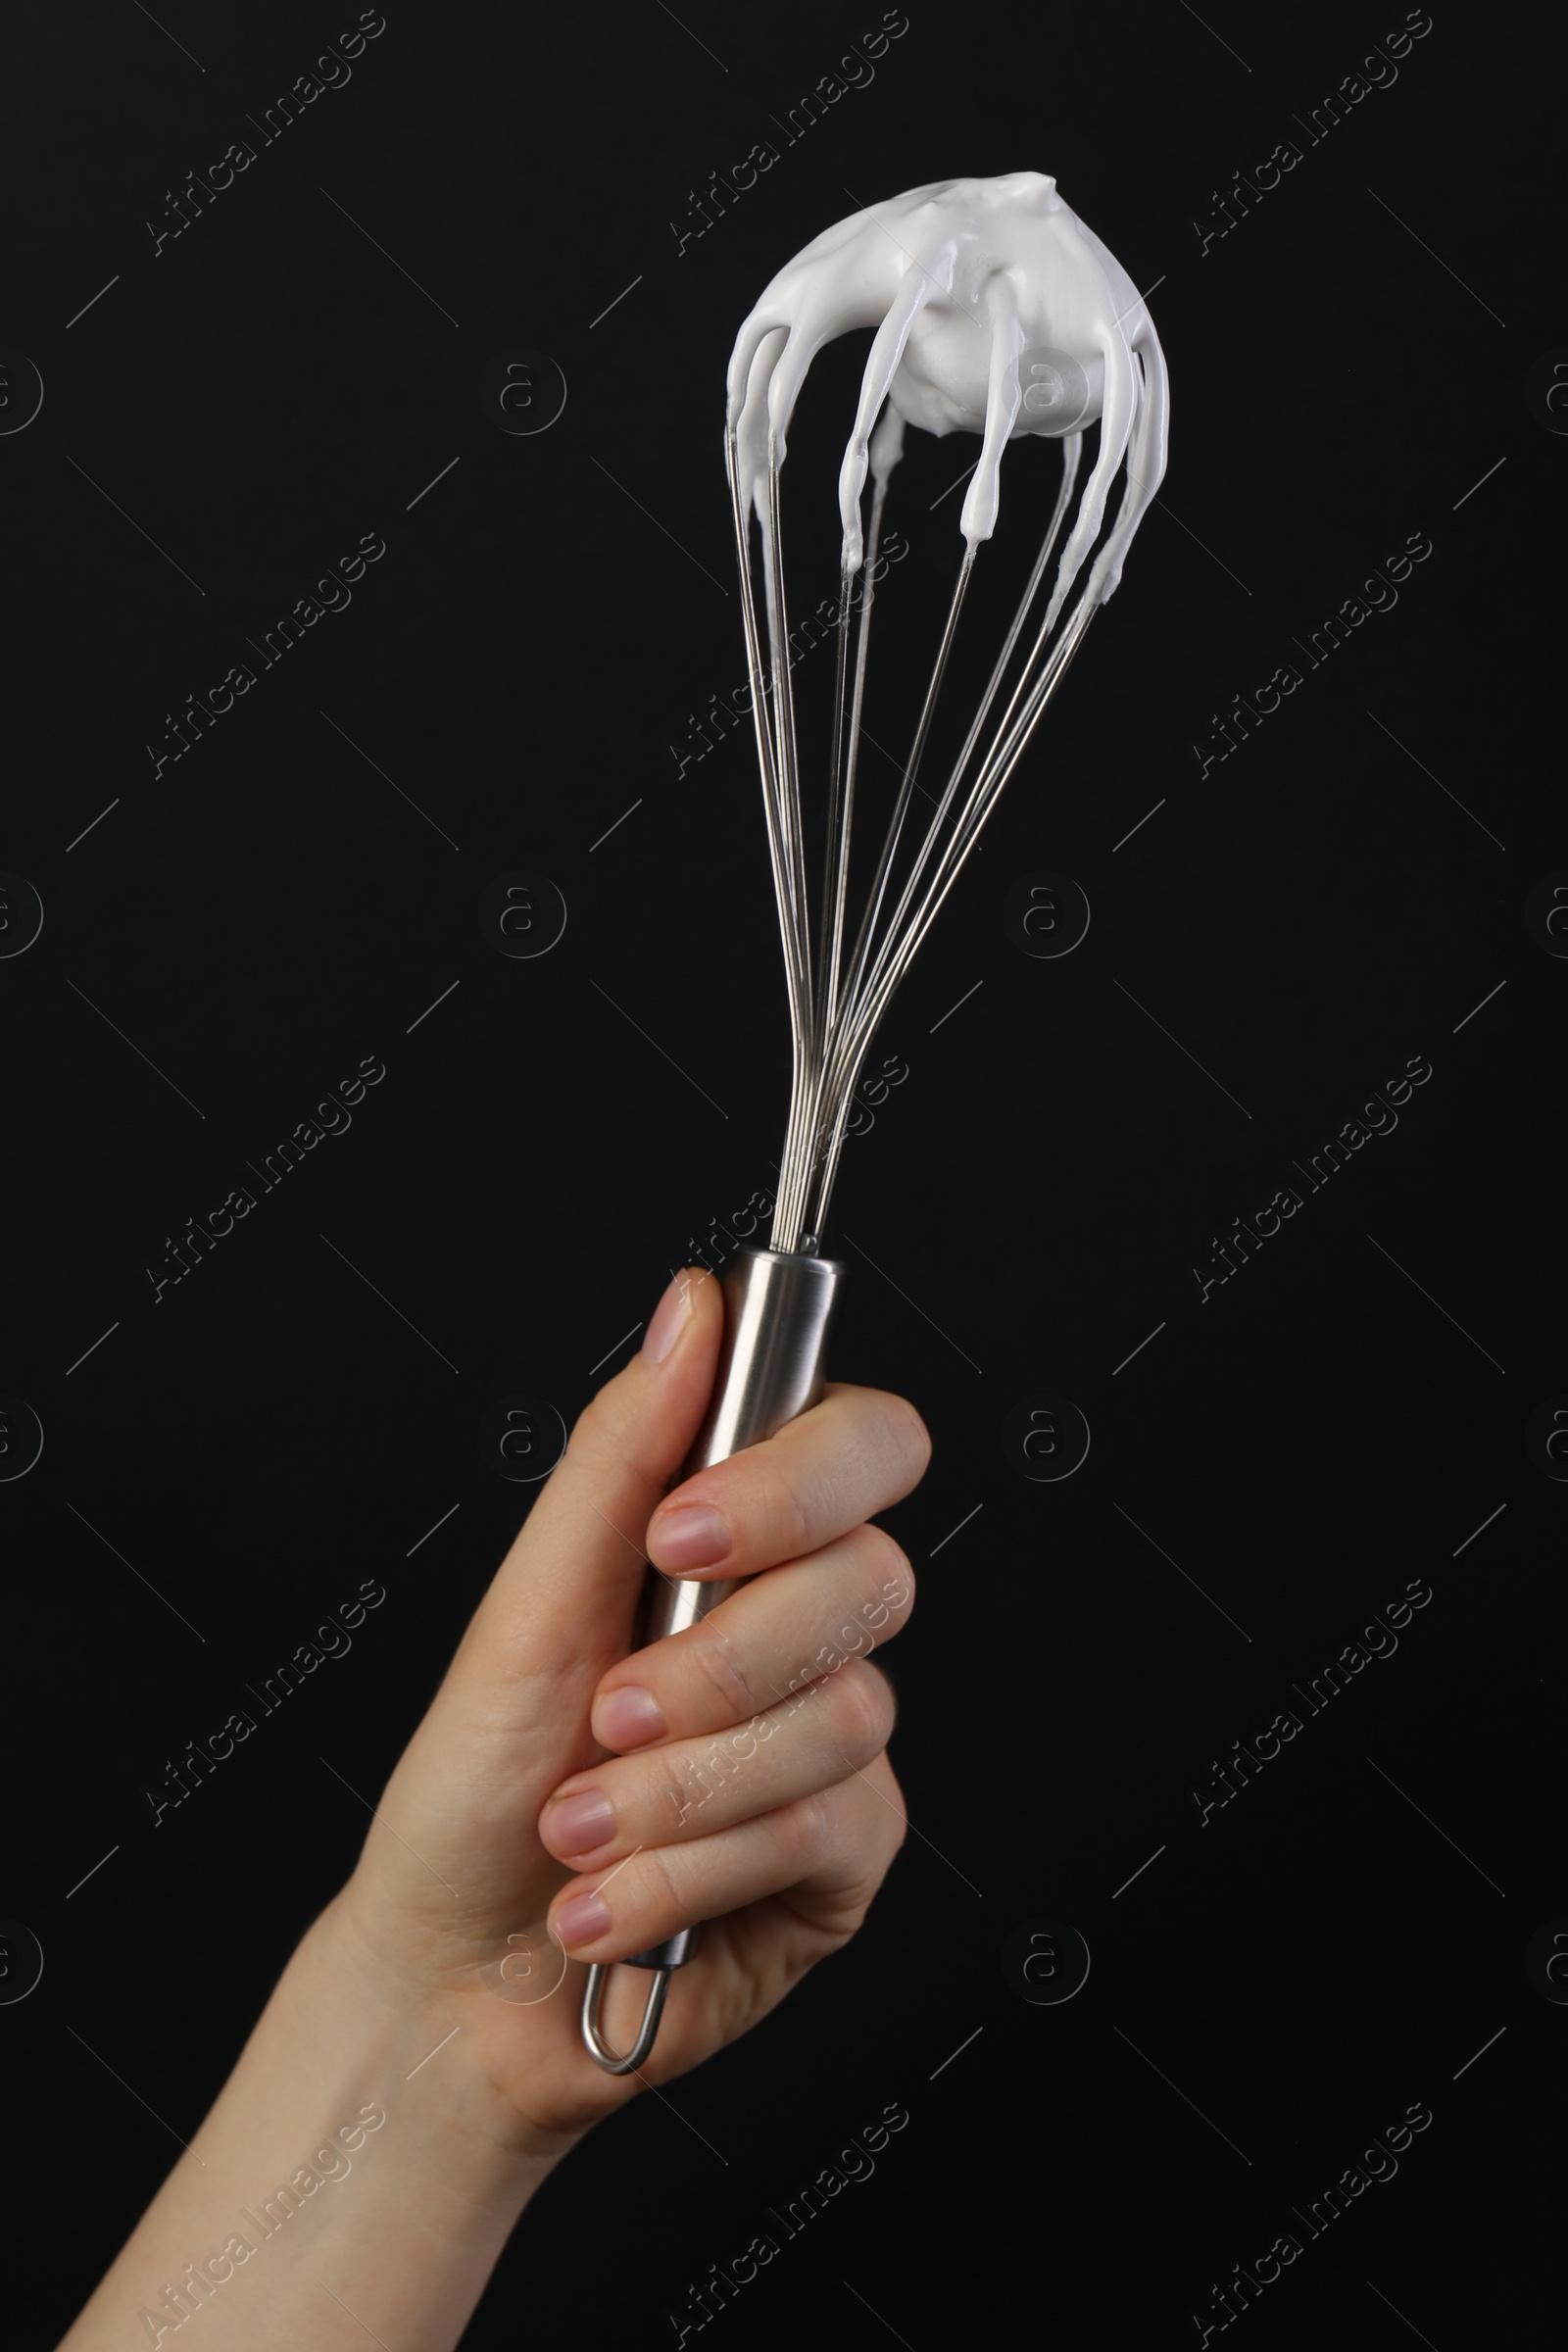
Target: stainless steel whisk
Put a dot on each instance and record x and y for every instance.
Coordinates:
(997, 311)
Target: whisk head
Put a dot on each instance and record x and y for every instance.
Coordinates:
(995, 311)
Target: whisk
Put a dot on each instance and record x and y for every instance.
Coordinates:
(995, 311)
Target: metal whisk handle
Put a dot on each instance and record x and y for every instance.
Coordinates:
(778, 1313)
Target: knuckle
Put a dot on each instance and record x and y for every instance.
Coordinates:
(803, 1831)
(660, 1892)
(712, 1661)
(614, 1435)
(786, 1518)
(890, 1826)
(863, 1708)
(598, 1422)
(911, 1438)
(604, 1432)
(888, 1563)
(678, 1787)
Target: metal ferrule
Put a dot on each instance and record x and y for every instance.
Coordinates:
(778, 1308)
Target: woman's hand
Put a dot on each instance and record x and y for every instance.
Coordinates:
(560, 1796)
(559, 1793)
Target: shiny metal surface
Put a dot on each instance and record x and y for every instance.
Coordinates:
(778, 1315)
(653, 2010)
(778, 1308)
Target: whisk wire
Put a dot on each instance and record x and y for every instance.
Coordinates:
(854, 1039)
(852, 762)
(783, 686)
(835, 851)
(837, 998)
(764, 720)
(1071, 450)
(879, 883)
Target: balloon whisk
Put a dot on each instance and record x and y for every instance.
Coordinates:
(995, 311)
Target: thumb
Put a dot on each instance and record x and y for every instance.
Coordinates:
(563, 1602)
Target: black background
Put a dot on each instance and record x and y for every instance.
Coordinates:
(1029, 1203)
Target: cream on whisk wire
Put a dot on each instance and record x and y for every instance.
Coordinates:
(997, 312)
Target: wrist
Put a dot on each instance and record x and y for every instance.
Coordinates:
(357, 2141)
(430, 2034)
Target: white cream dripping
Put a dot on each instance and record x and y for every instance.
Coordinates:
(997, 312)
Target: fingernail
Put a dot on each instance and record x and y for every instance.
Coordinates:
(668, 1320)
(691, 1536)
(578, 1824)
(582, 1921)
(628, 1718)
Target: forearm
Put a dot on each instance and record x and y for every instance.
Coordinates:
(296, 2221)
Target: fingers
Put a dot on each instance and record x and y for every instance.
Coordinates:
(577, 1567)
(767, 1800)
(764, 1642)
(828, 1852)
(857, 1452)
(692, 1789)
